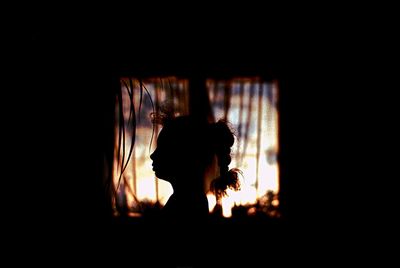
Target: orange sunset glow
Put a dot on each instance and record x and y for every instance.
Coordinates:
(252, 113)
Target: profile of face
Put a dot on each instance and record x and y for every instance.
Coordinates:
(166, 157)
(178, 151)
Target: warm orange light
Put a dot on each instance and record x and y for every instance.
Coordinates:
(212, 201)
(254, 185)
(227, 204)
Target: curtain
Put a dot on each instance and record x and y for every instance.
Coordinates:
(248, 104)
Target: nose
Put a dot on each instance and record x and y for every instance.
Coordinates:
(152, 156)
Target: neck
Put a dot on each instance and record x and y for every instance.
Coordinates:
(183, 188)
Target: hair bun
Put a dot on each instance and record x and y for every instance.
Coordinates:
(223, 139)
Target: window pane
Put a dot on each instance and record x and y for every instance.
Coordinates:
(248, 104)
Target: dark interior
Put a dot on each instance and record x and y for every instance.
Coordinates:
(73, 73)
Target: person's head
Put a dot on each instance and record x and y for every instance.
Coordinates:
(186, 147)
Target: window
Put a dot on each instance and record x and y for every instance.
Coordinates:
(249, 104)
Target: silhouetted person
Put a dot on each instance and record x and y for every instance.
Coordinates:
(186, 148)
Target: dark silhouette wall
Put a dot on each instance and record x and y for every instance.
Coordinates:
(74, 75)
